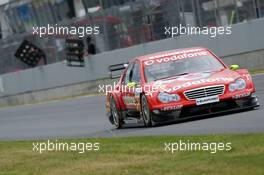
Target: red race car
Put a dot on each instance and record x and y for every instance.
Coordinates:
(176, 85)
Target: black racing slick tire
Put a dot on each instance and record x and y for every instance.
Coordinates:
(116, 114)
(146, 113)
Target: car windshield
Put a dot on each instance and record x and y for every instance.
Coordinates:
(181, 67)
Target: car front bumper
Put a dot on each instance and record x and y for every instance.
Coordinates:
(223, 106)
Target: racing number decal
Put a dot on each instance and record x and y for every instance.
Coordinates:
(129, 100)
(132, 102)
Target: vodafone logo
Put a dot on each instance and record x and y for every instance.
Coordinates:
(174, 58)
(197, 82)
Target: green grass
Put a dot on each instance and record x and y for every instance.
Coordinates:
(137, 156)
(254, 72)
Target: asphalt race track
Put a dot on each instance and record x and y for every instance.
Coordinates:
(85, 117)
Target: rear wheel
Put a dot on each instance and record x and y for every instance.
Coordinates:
(116, 115)
(146, 114)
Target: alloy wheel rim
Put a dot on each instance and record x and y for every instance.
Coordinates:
(145, 111)
(114, 113)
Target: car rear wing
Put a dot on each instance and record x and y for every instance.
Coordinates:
(116, 68)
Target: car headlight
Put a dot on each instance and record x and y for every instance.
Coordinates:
(232, 87)
(166, 98)
(239, 84)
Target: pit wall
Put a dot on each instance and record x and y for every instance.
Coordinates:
(245, 47)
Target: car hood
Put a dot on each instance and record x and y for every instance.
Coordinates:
(196, 80)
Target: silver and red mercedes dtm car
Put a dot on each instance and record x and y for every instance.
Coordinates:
(176, 85)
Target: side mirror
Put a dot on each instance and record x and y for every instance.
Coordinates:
(234, 67)
(131, 84)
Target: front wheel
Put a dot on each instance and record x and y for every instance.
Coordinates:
(146, 114)
(116, 115)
